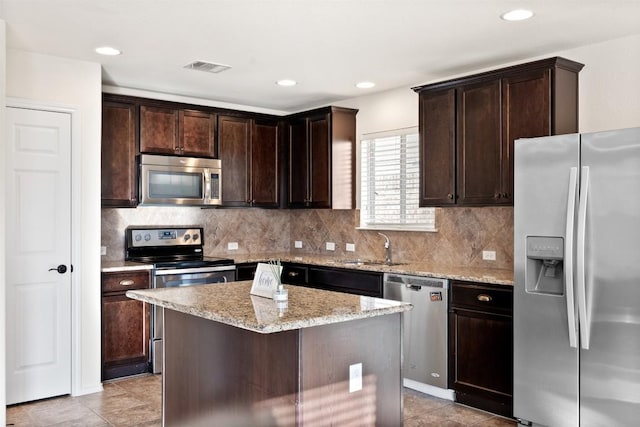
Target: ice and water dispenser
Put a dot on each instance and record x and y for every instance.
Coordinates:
(545, 265)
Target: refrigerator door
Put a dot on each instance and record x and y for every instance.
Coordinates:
(610, 368)
(545, 365)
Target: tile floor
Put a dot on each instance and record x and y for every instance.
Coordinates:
(137, 402)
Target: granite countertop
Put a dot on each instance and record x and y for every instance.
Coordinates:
(116, 266)
(473, 274)
(232, 304)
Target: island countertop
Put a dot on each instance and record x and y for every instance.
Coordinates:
(231, 304)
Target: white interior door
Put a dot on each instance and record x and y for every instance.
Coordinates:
(38, 298)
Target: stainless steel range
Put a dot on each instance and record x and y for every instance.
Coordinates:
(177, 255)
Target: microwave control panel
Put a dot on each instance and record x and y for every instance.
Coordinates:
(139, 237)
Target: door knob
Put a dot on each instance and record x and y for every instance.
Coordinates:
(60, 269)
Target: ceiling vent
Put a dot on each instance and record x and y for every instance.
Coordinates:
(208, 67)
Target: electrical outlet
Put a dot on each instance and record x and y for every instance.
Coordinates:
(489, 255)
(232, 246)
(355, 377)
(297, 244)
(351, 247)
(103, 250)
(331, 246)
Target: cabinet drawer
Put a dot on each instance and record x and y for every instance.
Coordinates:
(350, 281)
(246, 271)
(482, 297)
(294, 274)
(124, 281)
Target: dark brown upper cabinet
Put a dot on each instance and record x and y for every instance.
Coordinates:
(119, 170)
(321, 146)
(249, 151)
(165, 130)
(468, 127)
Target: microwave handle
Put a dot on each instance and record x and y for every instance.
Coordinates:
(207, 186)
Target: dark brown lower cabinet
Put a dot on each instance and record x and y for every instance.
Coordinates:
(481, 346)
(125, 325)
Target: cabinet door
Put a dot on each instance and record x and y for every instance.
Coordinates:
(125, 336)
(234, 145)
(197, 133)
(320, 161)
(526, 107)
(265, 165)
(159, 130)
(437, 112)
(481, 349)
(298, 163)
(119, 125)
(479, 139)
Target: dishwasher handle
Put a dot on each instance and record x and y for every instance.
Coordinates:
(416, 288)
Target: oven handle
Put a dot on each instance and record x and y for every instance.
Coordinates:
(167, 272)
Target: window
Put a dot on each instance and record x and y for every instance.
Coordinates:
(389, 183)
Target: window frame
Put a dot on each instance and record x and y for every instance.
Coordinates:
(427, 226)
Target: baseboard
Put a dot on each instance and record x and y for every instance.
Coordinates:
(429, 389)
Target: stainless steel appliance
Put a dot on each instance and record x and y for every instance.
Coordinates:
(177, 257)
(425, 330)
(577, 279)
(171, 180)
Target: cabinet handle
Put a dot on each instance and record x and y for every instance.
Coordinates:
(484, 298)
(497, 196)
(450, 196)
(505, 195)
(127, 282)
(293, 274)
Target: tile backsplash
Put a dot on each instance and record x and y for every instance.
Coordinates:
(463, 233)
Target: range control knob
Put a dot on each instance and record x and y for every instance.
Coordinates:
(137, 238)
(196, 236)
(187, 236)
(147, 237)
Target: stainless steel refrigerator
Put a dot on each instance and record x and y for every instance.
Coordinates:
(577, 279)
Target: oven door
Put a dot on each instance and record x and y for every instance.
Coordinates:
(193, 276)
(173, 278)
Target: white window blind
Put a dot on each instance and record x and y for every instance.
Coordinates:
(389, 178)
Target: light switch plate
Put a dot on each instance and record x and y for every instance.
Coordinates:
(103, 250)
(297, 244)
(489, 255)
(331, 246)
(355, 377)
(351, 247)
(232, 246)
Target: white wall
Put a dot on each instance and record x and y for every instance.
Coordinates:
(609, 96)
(3, 400)
(77, 85)
(609, 84)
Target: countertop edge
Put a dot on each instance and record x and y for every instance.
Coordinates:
(285, 326)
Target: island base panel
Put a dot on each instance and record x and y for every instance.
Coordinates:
(216, 374)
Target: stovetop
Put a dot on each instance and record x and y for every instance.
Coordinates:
(191, 263)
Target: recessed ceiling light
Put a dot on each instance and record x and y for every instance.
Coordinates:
(517, 15)
(286, 82)
(365, 85)
(108, 50)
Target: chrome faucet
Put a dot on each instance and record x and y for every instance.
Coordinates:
(387, 249)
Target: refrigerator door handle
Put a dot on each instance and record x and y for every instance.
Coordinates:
(580, 264)
(568, 258)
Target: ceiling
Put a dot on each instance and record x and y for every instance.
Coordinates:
(325, 45)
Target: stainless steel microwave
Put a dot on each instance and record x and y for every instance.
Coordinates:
(171, 180)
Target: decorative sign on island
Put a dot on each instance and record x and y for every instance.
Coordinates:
(266, 280)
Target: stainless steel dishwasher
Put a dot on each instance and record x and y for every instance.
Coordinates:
(425, 327)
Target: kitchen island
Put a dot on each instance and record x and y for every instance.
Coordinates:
(231, 358)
